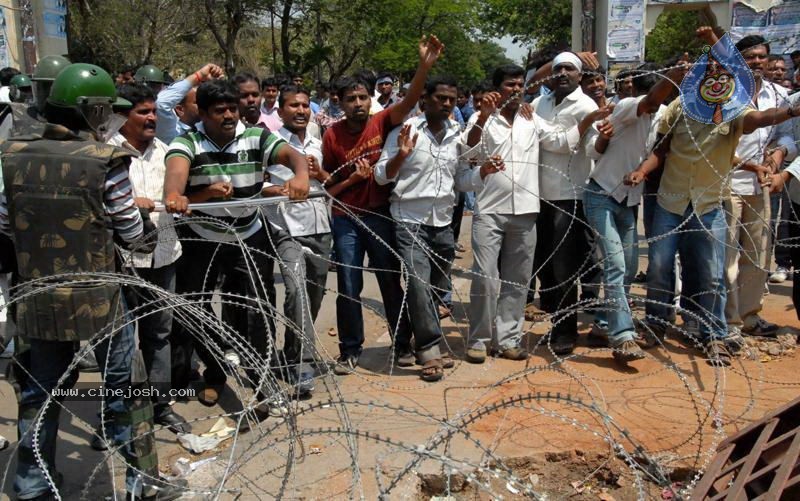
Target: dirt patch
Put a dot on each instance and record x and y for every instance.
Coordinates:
(553, 475)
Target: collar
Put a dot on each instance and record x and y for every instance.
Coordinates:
(572, 96)
(451, 126)
(240, 128)
(271, 110)
(119, 140)
(291, 137)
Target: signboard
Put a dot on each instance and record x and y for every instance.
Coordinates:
(780, 25)
(625, 40)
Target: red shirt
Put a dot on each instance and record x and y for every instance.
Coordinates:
(340, 147)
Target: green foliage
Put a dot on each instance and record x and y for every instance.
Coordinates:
(542, 22)
(673, 35)
(319, 38)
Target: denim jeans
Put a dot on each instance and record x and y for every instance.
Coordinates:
(49, 361)
(374, 236)
(615, 224)
(700, 242)
(428, 253)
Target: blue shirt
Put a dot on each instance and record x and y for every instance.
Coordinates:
(168, 126)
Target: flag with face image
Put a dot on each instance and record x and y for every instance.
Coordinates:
(719, 87)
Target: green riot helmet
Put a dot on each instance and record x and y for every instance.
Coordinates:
(20, 89)
(88, 90)
(47, 69)
(149, 74)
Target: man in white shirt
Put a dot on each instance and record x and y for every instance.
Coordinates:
(300, 233)
(563, 171)
(422, 158)
(503, 224)
(748, 209)
(146, 175)
(610, 206)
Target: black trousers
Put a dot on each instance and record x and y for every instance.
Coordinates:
(248, 275)
(561, 247)
(794, 251)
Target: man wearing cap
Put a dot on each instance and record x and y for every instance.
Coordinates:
(563, 170)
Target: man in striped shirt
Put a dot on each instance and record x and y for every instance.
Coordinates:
(223, 160)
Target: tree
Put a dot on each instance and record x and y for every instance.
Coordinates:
(226, 18)
(529, 21)
(673, 35)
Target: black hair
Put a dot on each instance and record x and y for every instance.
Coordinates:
(644, 77)
(795, 53)
(481, 88)
(136, 93)
(774, 57)
(216, 91)
(600, 70)
(244, 77)
(292, 89)
(432, 83)
(345, 84)
(368, 77)
(506, 71)
(270, 82)
(751, 41)
(385, 74)
(6, 74)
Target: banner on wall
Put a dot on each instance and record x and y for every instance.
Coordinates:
(780, 24)
(625, 40)
(3, 40)
(55, 18)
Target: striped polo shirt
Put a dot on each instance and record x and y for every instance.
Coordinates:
(242, 162)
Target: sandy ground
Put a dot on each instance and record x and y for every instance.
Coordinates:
(557, 427)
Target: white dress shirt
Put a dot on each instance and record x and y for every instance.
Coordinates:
(516, 189)
(424, 190)
(305, 218)
(564, 166)
(146, 175)
(752, 146)
(633, 139)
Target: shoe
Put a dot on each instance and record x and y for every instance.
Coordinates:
(345, 365)
(628, 351)
(533, 313)
(460, 248)
(97, 443)
(515, 353)
(304, 380)
(277, 407)
(779, 275)
(640, 278)
(172, 420)
(649, 335)
(475, 355)
(209, 395)
(690, 329)
(562, 345)
(232, 358)
(88, 363)
(761, 328)
(447, 361)
(165, 490)
(718, 353)
(405, 359)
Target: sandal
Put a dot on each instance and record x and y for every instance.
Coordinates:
(718, 354)
(447, 361)
(432, 370)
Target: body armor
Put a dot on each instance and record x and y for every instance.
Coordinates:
(55, 185)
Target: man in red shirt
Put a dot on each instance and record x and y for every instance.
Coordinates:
(361, 220)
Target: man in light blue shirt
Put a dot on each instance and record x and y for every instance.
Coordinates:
(175, 106)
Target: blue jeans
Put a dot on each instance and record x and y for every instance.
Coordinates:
(352, 238)
(615, 224)
(700, 241)
(49, 360)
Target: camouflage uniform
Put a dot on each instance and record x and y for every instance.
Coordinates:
(54, 186)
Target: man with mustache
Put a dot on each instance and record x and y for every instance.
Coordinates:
(222, 160)
(563, 172)
(146, 174)
(300, 233)
(361, 220)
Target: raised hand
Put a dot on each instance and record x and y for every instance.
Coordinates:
(706, 34)
(429, 50)
(406, 143)
(489, 104)
(589, 60)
